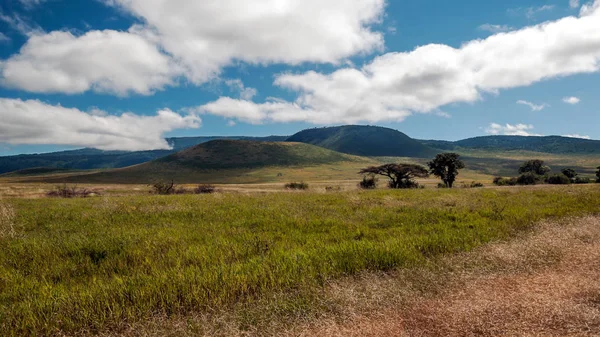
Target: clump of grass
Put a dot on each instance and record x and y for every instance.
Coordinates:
(296, 186)
(93, 264)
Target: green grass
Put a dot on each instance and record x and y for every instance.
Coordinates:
(93, 264)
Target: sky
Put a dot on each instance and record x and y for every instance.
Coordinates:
(125, 74)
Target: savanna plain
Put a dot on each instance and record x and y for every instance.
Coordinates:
(424, 262)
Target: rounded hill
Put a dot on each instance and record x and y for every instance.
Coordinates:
(234, 154)
(371, 141)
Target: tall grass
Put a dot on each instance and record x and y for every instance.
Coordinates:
(92, 264)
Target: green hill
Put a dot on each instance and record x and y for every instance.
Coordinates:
(235, 154)
(550, 144)
(229, 161)
(370, 141)
(89, 159)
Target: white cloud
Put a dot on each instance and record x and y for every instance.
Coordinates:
(103, 61)
(574, 3)
(495, 28)
(571, 100)
(21, 25)
(510, 130)
(532, 11)
(245, 92)
(577, 136)
(4, 38)
(205, 36)
(395, 85)
(35, 122)
(29, 4)
(534, 107)
(590, 8)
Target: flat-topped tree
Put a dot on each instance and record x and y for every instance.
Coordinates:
(446, 166)
(400, 175)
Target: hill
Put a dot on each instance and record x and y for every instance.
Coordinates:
(549, 144)
(232, 154)
(88, 159)
(370, 141)
(229, 161)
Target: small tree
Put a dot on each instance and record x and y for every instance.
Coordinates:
(446, 166)
(569, 173)
(534, 166)
(400, 175)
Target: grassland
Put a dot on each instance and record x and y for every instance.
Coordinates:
(96, 265)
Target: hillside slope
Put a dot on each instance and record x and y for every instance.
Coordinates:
(87, 159)
(229, 161)
(370, 141)
(549, 144)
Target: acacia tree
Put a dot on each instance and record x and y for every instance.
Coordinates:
(534, 166)
(446, 166)
(400, 175)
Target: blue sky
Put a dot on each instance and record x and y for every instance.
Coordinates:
(116, 74)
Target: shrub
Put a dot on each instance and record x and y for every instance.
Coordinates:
(333, 188)
(529, 179)
(205, 189)
(558, 179)
(163, 188)
(296, 186)
(501, 181)
(476, 185)
(441, 185)
(582, 180)
(65, 191)
(368, 183)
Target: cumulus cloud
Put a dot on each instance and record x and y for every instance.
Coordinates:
(205, 36)
(534, 107)
(104, 61)
(395, 85)
(574, 3)
(495, 28)
(577, 136)
(510, 130)
(35, 122)
(590, 8)
(572, 100)
(245, 92)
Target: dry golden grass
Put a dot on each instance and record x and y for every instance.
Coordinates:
(546, 283)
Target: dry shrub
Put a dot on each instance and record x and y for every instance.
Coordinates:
(296, 186)
(65, 191)
(205, 189)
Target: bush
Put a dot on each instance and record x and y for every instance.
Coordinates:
(296, 186)
(404, 184)
(205, 189)
(441, 185)
(501, 181)
(581, 180)
(529, 179)
(65, 191)
(558, 179)
(476, 185)
(163, 188)
(368, 183)
(333, 188)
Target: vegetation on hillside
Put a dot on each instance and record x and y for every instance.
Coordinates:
(550, 144)
(372, 141)
(76, 265)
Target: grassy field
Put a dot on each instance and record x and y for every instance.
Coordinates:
(98, 264)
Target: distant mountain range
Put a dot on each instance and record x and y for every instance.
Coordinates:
(368, 141)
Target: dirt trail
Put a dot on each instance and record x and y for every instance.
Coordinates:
(547, 284)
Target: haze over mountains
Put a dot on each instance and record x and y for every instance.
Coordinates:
(366, 141)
